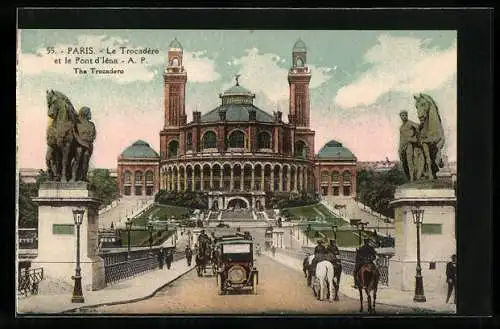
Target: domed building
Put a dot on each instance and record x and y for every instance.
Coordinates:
(138, 170)
(236, 152)
(335, 168)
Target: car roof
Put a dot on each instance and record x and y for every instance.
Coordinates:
(235, 241)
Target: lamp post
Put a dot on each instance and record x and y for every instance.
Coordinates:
(418, 218)
(128, 225)
(77, 289)
(150, 229)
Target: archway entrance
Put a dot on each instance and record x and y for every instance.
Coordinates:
(237, 203)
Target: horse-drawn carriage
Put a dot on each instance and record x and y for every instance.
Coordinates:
(206, 258)
(237, 271)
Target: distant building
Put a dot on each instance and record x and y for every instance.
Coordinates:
(138, 170)
(29, 175)
(335, 171)
(237, 152)
(377, 165)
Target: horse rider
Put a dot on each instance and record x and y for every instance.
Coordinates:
(189, 255)
(319, 251)
(333, 251)
(366, 254)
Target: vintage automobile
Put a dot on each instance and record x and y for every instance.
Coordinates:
(236, 270)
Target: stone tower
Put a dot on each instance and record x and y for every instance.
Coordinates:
(174, 78)
(299, 77)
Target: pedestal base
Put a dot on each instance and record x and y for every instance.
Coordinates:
(437, 238)
(57, 234)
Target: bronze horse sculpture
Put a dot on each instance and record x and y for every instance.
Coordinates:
(70, 138)
(431, 134)
(368, 278)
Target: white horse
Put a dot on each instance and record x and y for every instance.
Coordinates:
(324, 276)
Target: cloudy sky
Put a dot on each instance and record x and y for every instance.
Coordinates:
(360, 82)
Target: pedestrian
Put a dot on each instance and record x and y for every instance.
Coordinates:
(451, 278)
(160, 258)
(273, 250)
(169, 258)
(189, 255)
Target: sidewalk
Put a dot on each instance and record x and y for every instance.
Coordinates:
(131, 290)
(385, 295)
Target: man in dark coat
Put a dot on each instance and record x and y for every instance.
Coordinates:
(161, 256)
(169, 258)
(451, 278)
(319, 251)
(366, 254)
(189, 255)
(333, 249)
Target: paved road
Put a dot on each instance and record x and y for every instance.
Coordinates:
(280, 289)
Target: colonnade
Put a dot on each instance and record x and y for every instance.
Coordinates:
(247, 176)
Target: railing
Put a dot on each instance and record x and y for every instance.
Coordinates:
(28, 281)
(117, 266)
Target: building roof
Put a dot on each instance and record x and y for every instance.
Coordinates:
(140, 149)
(335, 150)
(237, 112)
(175, 44)
(237, 89)
(299, 46)
(237, 102)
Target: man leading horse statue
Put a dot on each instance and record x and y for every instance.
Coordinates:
(70, 138)
(420, 146)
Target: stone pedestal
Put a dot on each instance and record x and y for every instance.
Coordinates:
(437, 236)
(57, 234)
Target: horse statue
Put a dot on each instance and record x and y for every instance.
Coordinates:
(431, 134)
(368, 277)
(70, 138)
(60, 136)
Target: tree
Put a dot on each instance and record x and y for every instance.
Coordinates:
(376, 189)
(103, 185)
(28, 210)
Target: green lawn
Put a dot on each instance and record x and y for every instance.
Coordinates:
(140, 238)
(162, 212)
(314, 211)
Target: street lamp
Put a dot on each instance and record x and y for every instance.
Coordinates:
(308, 230)
(334, 228)
(77, 290)
(128, 225)
(418, 218)
(150, 229)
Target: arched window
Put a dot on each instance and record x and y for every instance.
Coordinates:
(300, 62)
(324, 177)
(300, 149)
(264, 140)
(149, 182)
(175, 61)
(127, 178)
(138, 182)
(237, 139)
(335, 177)
(346, 177)
(173, 149)
(209, 140)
